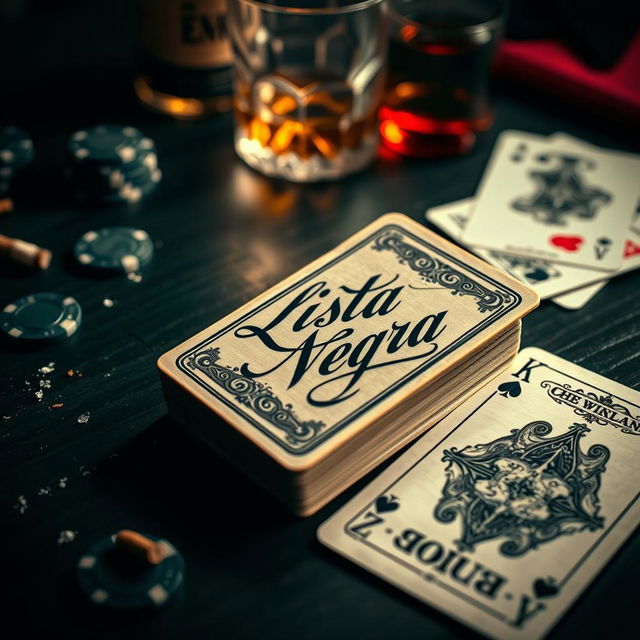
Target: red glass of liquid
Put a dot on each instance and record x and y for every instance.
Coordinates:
(440, 58)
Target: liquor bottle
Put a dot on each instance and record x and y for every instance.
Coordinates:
(184, 55)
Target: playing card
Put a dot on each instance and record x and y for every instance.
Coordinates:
(549, 279)
(508, 508)
(636, 220)
(545, 198)
(318, 359)
(578, 298)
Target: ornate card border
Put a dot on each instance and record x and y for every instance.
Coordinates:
(251, 399)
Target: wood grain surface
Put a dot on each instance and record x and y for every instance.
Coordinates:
(224, 235)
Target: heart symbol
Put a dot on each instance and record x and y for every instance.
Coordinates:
(568, 243)
(510, 389)
(545, 588)
(384, 504)
(536, 275)
(631, 249)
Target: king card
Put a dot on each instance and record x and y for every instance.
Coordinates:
(508, 508)
(547, 199)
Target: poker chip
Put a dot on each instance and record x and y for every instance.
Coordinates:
(114, 248)
(41, 317)
(112, 164)
(111, 578)
(108, 144)
(16, 150)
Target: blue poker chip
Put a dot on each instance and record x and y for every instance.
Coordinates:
(114, 248)
(111, 178)
(108, 144)
(16, 148)
(115, 185)
(110, 579)
(41, 317)
(112, 164)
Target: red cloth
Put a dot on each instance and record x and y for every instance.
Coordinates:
(550, 65)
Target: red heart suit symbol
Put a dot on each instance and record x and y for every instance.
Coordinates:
(568, 243)
(631, 249)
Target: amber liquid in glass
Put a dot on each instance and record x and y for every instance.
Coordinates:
(300, 119)
(438, 95)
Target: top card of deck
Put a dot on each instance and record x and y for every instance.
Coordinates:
(506, 510)
(542, 198)
(302, 368)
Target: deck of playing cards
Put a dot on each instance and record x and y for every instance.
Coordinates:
(318, 380)
(506, 510)
(556, 213)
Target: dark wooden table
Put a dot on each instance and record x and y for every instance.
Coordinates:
(223, 234)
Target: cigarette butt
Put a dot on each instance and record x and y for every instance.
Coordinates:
(25, 252)
(6, 205)
(139, 546)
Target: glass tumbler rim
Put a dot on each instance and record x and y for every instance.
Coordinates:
(356, 5)
(471, 29)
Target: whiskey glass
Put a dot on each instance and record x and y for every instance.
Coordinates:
(308, 80)
(440, 60)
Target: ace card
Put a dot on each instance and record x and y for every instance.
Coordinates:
(506, 510)
(543, 198)
(570, 287)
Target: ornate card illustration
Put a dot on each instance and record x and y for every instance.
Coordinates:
(503, 512)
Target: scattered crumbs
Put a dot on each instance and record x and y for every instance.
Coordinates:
(134, 276)
(57, 405)
(62, 483)
(49, 368)
(27, 383)
(9, 417)
(44, 491)
(83, 418)
(70, 373)
(67, 536)
(21, 506)
(108, 302)
(45, 383)
(39, 394)
(84, 472)
(107, 375)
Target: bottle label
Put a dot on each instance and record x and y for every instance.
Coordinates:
(185, 33)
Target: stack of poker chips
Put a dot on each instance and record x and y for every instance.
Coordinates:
(112, 164)
(16, 152)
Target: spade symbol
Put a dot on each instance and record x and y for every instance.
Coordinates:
(510, 389)
(602, 246)
(545, 588)
(537, 274)
(384, 503)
